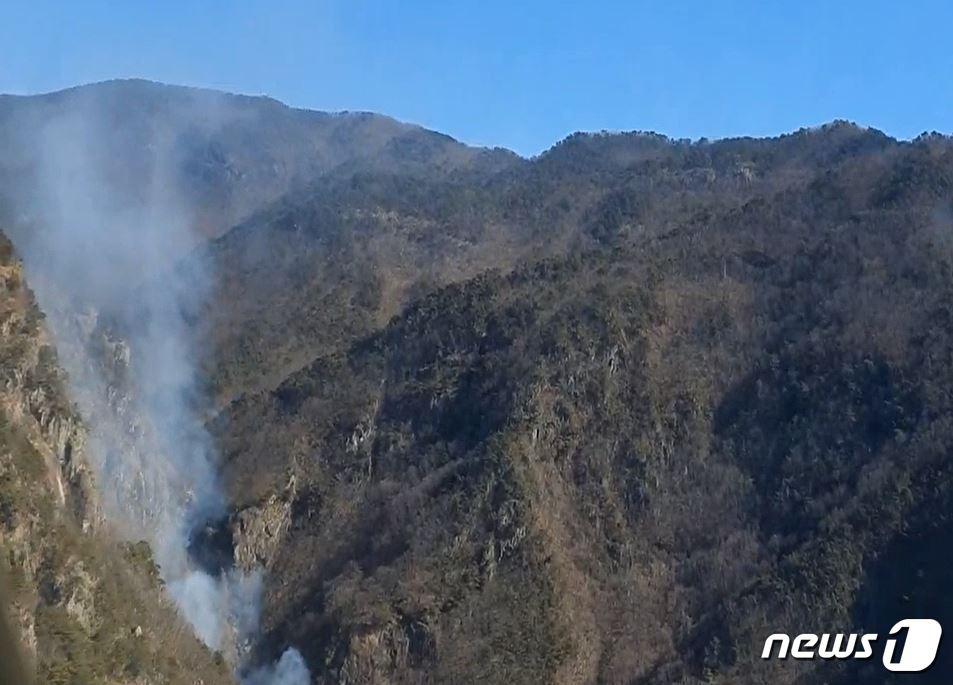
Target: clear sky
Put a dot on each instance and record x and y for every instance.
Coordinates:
(518, 74)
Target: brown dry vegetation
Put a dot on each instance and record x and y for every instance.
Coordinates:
(613, 414)
(716, 419)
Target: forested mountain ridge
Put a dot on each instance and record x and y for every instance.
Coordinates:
(612, 414)
(720, 417)
(352, 250)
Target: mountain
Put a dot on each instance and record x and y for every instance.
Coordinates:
(226, 154)
(721, 415)
(612, 414)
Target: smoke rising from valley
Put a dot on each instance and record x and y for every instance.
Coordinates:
(101, 222)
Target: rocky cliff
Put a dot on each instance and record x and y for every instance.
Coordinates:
(86, 607)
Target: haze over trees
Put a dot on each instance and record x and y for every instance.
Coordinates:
(613, 414)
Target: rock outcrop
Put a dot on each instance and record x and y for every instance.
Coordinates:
(85, 607)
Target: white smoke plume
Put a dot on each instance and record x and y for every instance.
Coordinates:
(99, 238)
(290, 669)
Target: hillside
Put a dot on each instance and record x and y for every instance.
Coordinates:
(722, 416)
(86, 608)
(336, 260)
(612, 414)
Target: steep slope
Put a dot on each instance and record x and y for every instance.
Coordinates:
(613, 414)
(634, 463)
(87, 608)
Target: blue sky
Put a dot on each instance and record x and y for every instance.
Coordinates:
(518, 74)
